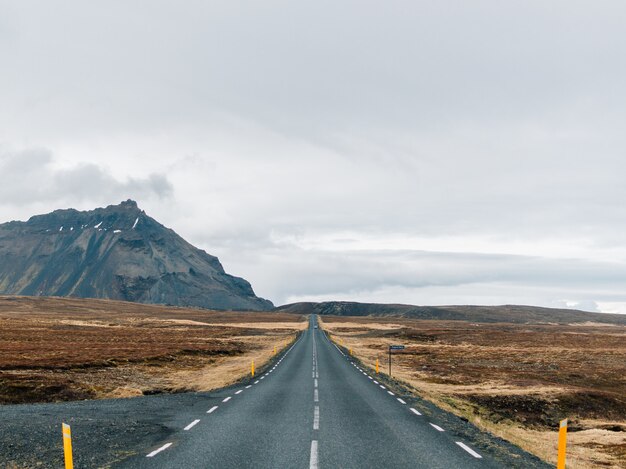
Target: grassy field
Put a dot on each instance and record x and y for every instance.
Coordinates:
(514, 380)
(54, 349)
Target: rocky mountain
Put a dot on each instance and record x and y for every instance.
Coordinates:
(483, 314)
(117, 252)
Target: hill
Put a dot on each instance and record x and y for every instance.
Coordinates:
(119, 253)
(484, 314)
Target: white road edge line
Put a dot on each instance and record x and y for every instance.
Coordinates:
(191, 425)
(227, 399)
(469, 450)
(436, 427)
(313, 461)
(212, 409)
(157, 451)
(415, 411)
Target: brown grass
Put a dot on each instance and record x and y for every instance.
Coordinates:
(55, 349)
(516, 381)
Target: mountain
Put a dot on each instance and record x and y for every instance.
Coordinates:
(483, 314)
(117, 252)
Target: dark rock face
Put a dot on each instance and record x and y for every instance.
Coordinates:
(117, 252)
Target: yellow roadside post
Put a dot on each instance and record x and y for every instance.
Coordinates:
(562, 444)
(377, 366)
(350, 350)
(274, 350)
(67, 446)
(252, 368)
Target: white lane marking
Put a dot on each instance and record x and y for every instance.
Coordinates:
(256, 382)
(317, 375)
(369, 377)
(227, 399)
(313, 375)
(315, 382)
(248, 386)
(313, 460)
(262, 377)
(401, 401)
(436, 427)
(191, 425)
(376, 382)
(316, 396)
(157, 451)
(469, 450)
(316, 418)
(415, 411)
(212, 409)
(382, 387)
(390, 393)
(239, 392)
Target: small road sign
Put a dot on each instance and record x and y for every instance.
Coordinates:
(396, 347)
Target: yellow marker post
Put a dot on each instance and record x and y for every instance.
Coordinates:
(377, 366)
(562, 444)
(350, 350)
(67, 446)
(274, 350)
(252, 368)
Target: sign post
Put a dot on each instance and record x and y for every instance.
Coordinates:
(393, 347)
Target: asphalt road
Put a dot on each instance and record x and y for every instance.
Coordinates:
(316, 407)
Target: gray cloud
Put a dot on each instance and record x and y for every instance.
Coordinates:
(29, 176)
(493, 128)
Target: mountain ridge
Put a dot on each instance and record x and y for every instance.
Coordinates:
(473, 313)
(117, 252)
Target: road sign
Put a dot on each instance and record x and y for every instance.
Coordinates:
(393, 347)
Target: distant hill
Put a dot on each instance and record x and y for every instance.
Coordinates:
(118, 253)
(505, 313)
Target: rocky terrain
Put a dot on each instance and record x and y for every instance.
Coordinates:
(119, 253)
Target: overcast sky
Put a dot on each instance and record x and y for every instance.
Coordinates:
(425, 152)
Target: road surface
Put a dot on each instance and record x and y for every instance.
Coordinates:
(317, 408)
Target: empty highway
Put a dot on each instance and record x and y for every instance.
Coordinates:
(315, 407)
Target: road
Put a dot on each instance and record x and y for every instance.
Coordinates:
(315, 407)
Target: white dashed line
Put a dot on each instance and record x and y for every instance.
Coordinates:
(227, 399)
(313, 460)
(316, 418)
(401, 401)
(415, 411)
(239, 392)
(316, 396)
(262, 377)
(315, 382)
(375, 382)
(248, 386)
(212, 409)
(469, 450)
(382, 387)
(256, 382)
(390, 393)
(157, 451)
(436, 427)
(191, 425)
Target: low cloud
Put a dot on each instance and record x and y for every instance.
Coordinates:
(30, 178)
